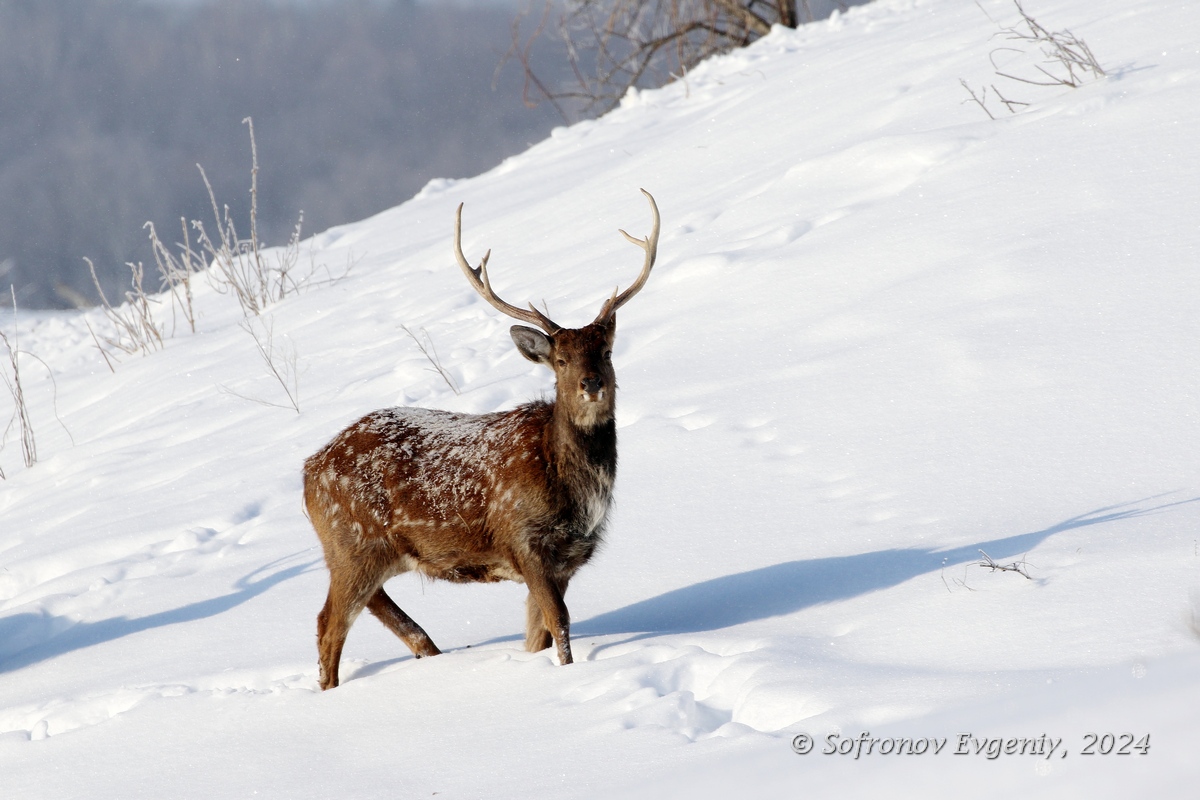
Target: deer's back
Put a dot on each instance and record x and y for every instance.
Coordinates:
(441, 492)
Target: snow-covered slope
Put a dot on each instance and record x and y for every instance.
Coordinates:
(884, 333)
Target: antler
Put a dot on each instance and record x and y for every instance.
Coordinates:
(650, 245)
(479, 279)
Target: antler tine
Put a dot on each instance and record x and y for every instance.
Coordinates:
(478, 278)
(650, 245)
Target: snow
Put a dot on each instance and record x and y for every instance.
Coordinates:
(884, 333)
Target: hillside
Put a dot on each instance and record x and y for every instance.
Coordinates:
(884, 333)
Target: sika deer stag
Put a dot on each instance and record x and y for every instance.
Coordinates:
(519, 495)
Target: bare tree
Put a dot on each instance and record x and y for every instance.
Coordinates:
(614, 45)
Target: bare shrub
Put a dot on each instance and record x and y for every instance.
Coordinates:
(176, 273)
(233, 265)
(614, 45)
(134, 327)
(240, 268)
(1067, 60)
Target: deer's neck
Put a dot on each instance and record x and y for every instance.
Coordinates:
(582, 468)
(584, 459)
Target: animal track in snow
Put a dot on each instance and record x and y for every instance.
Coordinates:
(73, 572)
(689, 690)
(34, 722)
(49, 595)
(762, 435)
(771, 238)
(697, 268)
(690, 418)
(870, 171)
(695, 222)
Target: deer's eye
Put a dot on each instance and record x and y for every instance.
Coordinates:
(562, 362)
(607, 355)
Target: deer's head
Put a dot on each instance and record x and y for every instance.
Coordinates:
(581, 358)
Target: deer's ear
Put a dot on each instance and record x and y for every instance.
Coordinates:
(534, 345)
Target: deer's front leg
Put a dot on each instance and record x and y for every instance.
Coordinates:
(537, 635)
(546, 597)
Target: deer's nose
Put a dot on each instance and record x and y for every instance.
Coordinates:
(591, 384)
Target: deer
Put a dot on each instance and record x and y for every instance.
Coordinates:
(520, 495)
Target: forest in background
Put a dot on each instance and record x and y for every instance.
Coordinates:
(106, 108)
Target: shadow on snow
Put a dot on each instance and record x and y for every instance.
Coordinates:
(709, 605)
(29, 638)
(785, 588)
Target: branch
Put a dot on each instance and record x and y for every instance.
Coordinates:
(1015, 566)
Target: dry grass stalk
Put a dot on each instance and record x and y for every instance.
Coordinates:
(16, 389)
(1014, 566)
(133, 322)
(20, 415)
(280, 361)
(430, 353)
(1068, 61)
(241, 268)
(233, 266)
(176, 273)
(1062, 49)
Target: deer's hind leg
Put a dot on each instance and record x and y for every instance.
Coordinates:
(401, 624)
(342, 606)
